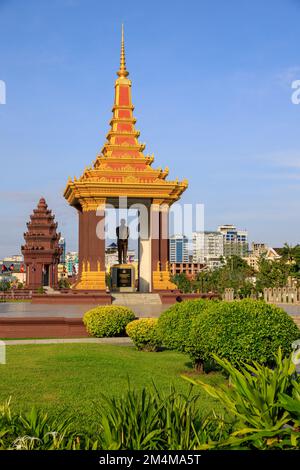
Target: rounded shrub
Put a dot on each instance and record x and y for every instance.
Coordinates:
(174, 324)
(143, 333)
(108, 320)
(242, 331)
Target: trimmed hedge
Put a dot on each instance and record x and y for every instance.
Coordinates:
(108, 320)
(242, 331)
(143, 333)
(174, 324)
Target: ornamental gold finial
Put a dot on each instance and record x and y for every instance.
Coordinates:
(122, 72)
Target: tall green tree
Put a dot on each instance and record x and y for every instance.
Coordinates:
(234, 274)
(287, 253)
(184, 284)
(291, 255)
(272, 273)
(5, 286)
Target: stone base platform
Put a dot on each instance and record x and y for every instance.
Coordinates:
(40, 327)
(73, 297)
(174, 297)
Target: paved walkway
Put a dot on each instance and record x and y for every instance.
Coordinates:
(142, 310)
(27, 309)
(291, 309)
(116, 341)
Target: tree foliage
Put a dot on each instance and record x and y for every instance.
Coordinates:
(272, 274)
(5, 286)
(235, 273)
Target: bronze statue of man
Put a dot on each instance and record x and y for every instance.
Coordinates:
(122, 235)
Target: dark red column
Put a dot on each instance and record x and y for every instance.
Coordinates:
(155, 236)
(81, 253)
(164, 236)
(96, 240)
(91, 240)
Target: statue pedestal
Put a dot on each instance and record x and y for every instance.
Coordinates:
(123, 278)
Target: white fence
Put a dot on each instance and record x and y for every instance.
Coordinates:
(282, 295)
(276, 295)
(228, 295)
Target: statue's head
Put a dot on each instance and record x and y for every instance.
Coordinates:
(123, 221)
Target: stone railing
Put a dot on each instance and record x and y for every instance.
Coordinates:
(275, 295)
(228, 295)
(18, 294)
(282, 295)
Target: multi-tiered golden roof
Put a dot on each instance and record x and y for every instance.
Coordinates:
(122, 169)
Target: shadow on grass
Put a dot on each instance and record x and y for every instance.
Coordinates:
(210, 368)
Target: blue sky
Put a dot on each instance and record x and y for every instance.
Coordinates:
(212, 91)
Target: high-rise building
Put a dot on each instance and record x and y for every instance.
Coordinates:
(14, 259)
(62, 245)
(208, 248)
(189, 269)
(179, 249)
(235, 241)
(257, 251)
(71, 262)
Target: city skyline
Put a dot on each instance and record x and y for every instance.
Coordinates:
(133, 248)
(223, 109)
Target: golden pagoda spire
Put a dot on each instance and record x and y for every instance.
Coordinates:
(122, 72)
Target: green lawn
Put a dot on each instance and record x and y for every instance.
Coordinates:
(70, 377)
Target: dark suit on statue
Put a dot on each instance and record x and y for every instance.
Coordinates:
(122, 235)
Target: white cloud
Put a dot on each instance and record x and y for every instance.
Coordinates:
(288, 75)
(282, 159)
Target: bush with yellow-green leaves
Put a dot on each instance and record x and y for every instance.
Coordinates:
(108, 320)
(143, 333)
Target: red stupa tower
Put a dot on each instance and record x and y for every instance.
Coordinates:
(41, 250)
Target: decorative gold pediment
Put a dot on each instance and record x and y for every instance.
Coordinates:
(130, 179)
(129, 168)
